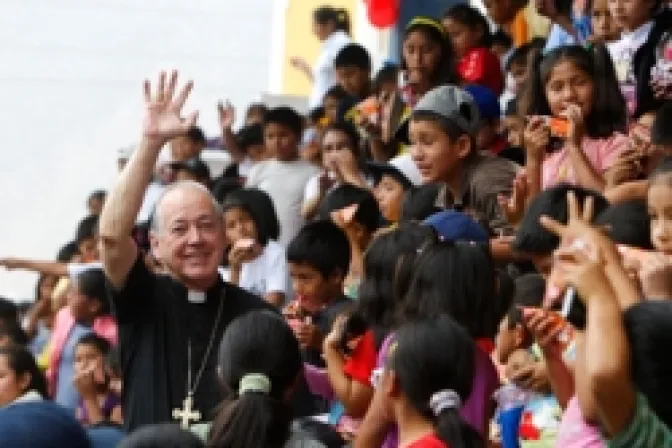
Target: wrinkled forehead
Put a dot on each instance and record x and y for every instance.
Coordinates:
(185, 204)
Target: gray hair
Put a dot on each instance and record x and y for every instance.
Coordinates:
(155, 220)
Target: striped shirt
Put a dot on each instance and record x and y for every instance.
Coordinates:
(645, 430)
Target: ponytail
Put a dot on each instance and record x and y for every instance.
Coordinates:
(454, 432)
(253, 419)
(340, 17)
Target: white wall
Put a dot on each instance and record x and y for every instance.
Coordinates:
(70, 94)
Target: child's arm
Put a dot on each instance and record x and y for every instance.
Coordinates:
(117, 415)
(627, 191)
(227, 118)
(43, 267)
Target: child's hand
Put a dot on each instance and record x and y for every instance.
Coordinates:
(536, 138)
(243, 251)
(655, 275)
(85, 382)
(627, 167)
(227, 115)
(583, 268)
(334, 337)
(577, 127)
(514, 206)
(532, 375)
(515, 128)
(546, 327)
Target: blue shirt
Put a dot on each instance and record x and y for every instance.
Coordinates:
(559, 37)
(66, 392)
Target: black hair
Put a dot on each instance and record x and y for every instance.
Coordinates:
(519, 56)
(86, 229)
(662, 174)
(457, 279)
(113, 361)
(530, 289)
(224, 186)
(316, 114)
(420, 202)
(322, 245)
(337, 92)
(431, 356)
(446, 72)
(500, 37)
(8, 311)
(648, 325)
(252, 135)
(285, 116)
(97, 342)
(564, 7)
(338, 16)
(628, 223)
(91, 283)
(259, 206)
(21, 361)
(164, 435)
(472, 19)
(531, 237)
(390, 255)
(67, 252)
(608, 114)
(98, 194)
(353, 55)
(256, 107)
(348, 129)
(260, 342)
(389, 73)
(196, 135)
(660, 135)
(345, 195)
(15, 333)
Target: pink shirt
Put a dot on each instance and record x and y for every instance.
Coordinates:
(575, 432)
(600, 152)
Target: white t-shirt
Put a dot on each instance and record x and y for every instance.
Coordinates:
(285, 183)
(265, 274)
(324, 73)
(623, 50)
(74, 269)
(152, 195)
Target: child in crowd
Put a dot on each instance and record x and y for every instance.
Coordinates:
(427, 58)
(342, 162)
(256, 262)
(513, 349)
(283, 177)
(250, 141)
(350, 350)
(391, 182)
(353, 71)
(22, 381)
(470, 37)
(420, 203)
(319, 258)
(386, 81)
(501, 44)
(644, 23)
(355, 211)
(335, 102)
(40, 318)
(95, 202)
(605, 28)
(425, 379)
(88, 311)
(593, 108)
(443, 128)
(660, 204)
(98, 404)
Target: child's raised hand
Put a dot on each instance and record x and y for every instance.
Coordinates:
(227, 115)
(577, 126)
(655, 275)
(85, 382)
(582, 266)
(546, 327)
(536, 137)
(334, 337)
(514, 206)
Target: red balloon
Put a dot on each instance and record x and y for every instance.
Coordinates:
(382, 13)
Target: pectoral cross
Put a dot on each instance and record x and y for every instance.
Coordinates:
(187, 412)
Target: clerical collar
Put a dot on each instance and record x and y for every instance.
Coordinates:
(196, 296)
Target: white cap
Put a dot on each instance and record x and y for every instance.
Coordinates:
(402, 167)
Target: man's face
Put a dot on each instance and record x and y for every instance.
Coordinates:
(190, 237)
(436, 156)
(354, 80)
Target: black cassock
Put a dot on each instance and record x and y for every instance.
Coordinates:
(156, 321)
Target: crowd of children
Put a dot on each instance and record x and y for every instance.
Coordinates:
(471, 249)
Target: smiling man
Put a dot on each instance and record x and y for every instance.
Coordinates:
(169, 325)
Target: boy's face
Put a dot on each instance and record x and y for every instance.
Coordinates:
(630, 14)
(507, 340)
(88, 248)
(310, 284)
(604, 25)
(518, 72)
(389, 194)
(354, 80)
(281, 142)
(437, 157)
(486, 134)
(331, 105)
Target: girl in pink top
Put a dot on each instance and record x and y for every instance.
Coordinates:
(579, 87)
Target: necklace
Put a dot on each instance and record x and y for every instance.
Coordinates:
(188, 413)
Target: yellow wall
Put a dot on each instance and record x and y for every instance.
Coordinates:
(300, 41)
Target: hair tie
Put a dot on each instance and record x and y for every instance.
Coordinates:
(444, 399)
(426, 21)
(255, 382)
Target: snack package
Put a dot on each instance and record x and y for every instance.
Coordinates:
(559, 127)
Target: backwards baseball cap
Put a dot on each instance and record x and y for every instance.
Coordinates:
(486, 100)
(456, 226)
(449, 103)
(402, 168)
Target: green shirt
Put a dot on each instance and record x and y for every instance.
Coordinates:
(645, 430)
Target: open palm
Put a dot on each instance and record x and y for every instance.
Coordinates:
(163, 120)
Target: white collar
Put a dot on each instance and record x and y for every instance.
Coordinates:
(194, 296)
(639, 34)
(28, 397)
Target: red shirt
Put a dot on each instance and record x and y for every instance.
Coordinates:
(363, 360)
(430, 441)
(482, 66)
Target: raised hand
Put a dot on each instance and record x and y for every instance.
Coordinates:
(655, 276)
(514, 206)
(536, 138)
(163, 119)
(227, 115)
(9, 263)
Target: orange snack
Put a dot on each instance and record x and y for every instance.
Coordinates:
(559, 127)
